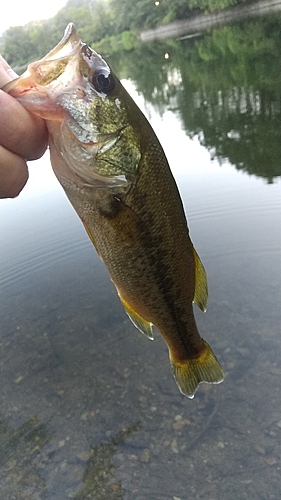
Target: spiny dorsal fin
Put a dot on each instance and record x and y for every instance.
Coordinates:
(201, 285)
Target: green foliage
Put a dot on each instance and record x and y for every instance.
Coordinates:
(130, 15)
(81, 17)
(19, 45)
(213, 5)
(26, 43)
(128, 40)
(144, 14)
(108, 46)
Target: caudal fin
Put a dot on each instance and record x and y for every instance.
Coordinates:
(190, 373)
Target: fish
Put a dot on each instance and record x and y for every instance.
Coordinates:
(114, 171)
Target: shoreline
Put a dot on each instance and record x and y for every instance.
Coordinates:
(204, 22)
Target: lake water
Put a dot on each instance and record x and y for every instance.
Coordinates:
(89, 408)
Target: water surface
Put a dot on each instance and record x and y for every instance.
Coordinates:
(89, 407)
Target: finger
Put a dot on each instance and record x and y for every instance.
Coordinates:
(21, 132)
(6, 72)
(13, 174)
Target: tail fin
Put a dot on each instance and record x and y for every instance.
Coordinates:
(190, 373)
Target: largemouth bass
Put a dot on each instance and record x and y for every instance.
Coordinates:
(115, 173)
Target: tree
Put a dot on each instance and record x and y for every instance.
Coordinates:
(18, 45)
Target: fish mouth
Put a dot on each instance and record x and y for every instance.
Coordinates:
(38, 87)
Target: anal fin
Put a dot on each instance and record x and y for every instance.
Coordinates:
(201, 284)
(142, 324)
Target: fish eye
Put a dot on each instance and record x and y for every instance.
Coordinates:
(103, 81)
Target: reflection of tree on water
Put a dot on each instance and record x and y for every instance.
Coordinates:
(225, 86)
(243, 127)
(235, 100)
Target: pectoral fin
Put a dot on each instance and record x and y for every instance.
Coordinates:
(201, 285)
(142, 324)
(89, 233)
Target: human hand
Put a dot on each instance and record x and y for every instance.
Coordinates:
(23, 137)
